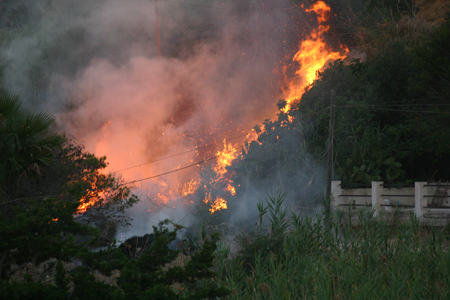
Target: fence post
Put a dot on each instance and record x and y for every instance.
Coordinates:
(336, 191)
(377, 190)
(419, 200)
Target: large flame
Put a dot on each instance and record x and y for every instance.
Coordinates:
(312, 56)
(225, 157)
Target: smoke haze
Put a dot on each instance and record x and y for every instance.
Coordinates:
(95, 64)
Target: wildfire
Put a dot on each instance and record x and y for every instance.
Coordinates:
(88, 201)
(167, 192)
(225, 157)
(218, 204)
(312, 56)
(188, 188)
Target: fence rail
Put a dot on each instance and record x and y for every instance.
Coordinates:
(430, 202)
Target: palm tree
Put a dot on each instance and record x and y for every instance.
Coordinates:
(26, 143)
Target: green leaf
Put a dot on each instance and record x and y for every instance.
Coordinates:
(396, 173)
(389, 161)
(359, 177)
(349, 162)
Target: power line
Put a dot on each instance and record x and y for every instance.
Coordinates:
(198, 5)
(180, 169)
(214, 157)
(415, 99)
(37, 197)
(408, 104)
(223, 185)
(181, 153)
(209, 145)
(176, 170)
(415, 111)
(375, 107)
(195, 149)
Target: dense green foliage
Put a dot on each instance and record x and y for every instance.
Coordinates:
(394, 106)
(148, 276)
(144, 278)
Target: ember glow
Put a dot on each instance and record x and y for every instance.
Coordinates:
(312, 56)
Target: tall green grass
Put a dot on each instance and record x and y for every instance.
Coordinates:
(314, 259)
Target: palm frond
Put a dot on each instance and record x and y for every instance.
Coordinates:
(9, 104)
(26, 143)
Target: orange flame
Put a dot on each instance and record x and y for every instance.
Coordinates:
(312, 56)
(218, 204)
(88, 201)
(231, 189)
(225, 157)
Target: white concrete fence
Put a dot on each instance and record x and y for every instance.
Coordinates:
(430, 202)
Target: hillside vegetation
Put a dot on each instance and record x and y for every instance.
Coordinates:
(392, 124)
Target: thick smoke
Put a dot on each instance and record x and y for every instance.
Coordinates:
(95, 64)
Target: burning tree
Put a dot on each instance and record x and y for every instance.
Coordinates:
(50, 188)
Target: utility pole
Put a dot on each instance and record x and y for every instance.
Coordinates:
(330, 158)
(157, 28)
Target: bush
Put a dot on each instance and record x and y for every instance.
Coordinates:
(338, 261)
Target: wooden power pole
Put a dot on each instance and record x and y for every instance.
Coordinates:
(330, 157)
(157, 28)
